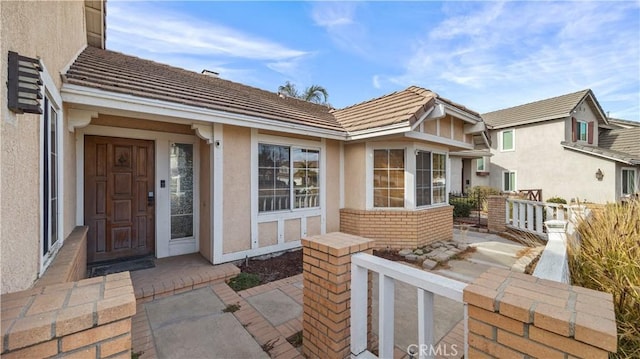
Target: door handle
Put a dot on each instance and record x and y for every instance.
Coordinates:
(150, 199)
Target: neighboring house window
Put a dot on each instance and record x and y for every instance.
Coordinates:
(430, 178)
(508, 181)
(388, 178)
(480, 165)
(181, 190)
(51, 187)
(628, 181)
(277, 184)
(507, 140)
(581, 130)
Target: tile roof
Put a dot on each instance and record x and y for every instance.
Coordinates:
(603, 152)
(405, 106)
(548, 109)
(624, 140)
(117, 72)
(620, 123)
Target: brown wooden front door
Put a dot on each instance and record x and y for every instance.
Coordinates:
(119, 197)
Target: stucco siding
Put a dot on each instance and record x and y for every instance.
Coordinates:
(541, 162)
(54, 32)
(354, 175)
(456, 174)
(333, 186)
(237, 189)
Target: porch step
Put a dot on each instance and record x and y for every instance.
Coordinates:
(179, 274)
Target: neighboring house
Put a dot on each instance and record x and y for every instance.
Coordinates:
(565, 146)
(161, 161)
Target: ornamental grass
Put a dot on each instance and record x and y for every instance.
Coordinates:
(607, 259)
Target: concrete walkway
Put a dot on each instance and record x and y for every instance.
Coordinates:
(201, 323)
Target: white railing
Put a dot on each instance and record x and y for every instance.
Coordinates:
(529, 215)
(427, 285)
(554, 261)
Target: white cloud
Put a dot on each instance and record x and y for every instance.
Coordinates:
(153, 30)
(376, 82)
(339, 20)
(495, 55)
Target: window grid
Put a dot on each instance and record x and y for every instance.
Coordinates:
(278, 184)
(509, 181)
(628, 181)
(388, 178)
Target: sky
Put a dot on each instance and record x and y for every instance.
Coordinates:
(485, 55)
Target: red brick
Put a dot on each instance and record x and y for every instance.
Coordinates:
(481, 328)
(596, 331)
(567, 345)
(496, 320)
(479, 296)
(492, 348)
(74, 319)
(552, 318)
(31, 330)
(527, 346)
(114, 346)
(44, 350)
(95, 335)
(516, 307)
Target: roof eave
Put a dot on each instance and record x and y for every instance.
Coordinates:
(89, 96)
(601, 155)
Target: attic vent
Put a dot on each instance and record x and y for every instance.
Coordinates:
(210, 73)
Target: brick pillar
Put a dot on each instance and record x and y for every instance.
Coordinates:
(513, 315)
(327, 291)
(496, 216)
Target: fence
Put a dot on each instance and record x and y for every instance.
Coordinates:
(427, 285)
(465, 203)
(529, 216)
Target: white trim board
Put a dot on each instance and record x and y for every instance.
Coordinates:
(164, 246)
(81, 95)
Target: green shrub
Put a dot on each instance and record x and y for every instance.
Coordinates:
(558, 200)
(606, 259)
(461, 207)
(243, 281)
(483, 192)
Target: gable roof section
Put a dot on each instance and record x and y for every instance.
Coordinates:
(401, 108)
(625, 140)
(116, 72)
(543, 110)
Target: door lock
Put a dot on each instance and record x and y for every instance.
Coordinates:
(150, 199)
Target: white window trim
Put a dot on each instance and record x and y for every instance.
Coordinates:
(447, 176)
(277, 216)
(165, 247)
(484, 164)
(586, 133)
(515, 181)
(500, 140)
(635, 178)
(51, 91)
(409, 174)
(408, 177)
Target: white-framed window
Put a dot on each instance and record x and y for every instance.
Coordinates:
(388, 178)
(288, 177)
(480, 164)
(50, 154)
(431, 178)
(507, 140)
(582, 130)
(629, 178)
(508, 181)
(181, 190)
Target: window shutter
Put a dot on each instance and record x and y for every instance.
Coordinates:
(574, 129)
(590, 133)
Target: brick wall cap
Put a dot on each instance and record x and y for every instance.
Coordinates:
(115, 308)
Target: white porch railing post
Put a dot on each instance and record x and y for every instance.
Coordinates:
(359, 299)
(539, 209)
(530, 217)
(425, 322)
(386, 316)
(521, 212)
(507, 212)
(516, 214)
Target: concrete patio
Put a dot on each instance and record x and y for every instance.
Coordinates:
(181, 310)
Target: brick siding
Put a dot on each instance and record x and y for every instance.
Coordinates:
(70, 264)
(513, 315)
(90, 318)
(496, 213)
(397, 229)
